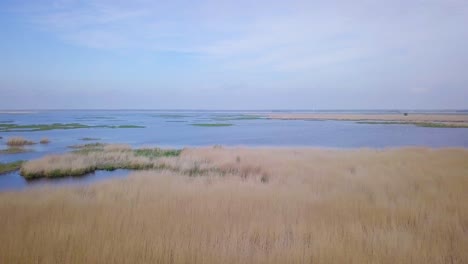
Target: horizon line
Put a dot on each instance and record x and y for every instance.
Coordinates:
(200, 109)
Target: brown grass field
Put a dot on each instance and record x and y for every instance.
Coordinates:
(248, 205)
(461, 120)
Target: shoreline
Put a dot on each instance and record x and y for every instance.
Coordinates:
(459, 119)
(87, 158)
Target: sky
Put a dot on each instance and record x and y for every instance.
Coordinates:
(215, 54)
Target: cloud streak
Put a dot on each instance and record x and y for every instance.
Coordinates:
(397, 47)
(303, 35)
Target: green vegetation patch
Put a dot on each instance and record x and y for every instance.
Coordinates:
(89, 139)
(239, 117)
(440, 125)
(75, 172)
(90, 145)
(43, 127)
(419, 124)
(157, 152)
(125, 126)
(9, 167)
(40, 127)
(86, 148)
(145, 152)
(15, 150)
(212, 124)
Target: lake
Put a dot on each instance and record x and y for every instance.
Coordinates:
(176, 129)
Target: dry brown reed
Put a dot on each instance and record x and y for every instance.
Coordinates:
(18, 142)
(91, 157)
(44, 141)
(318, 206)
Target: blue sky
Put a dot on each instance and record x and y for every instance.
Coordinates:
(210, 54)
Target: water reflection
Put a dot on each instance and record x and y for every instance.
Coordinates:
(14, 181)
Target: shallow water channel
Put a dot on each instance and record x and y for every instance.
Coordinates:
(14, 181)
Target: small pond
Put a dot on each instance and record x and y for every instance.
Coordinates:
(14, 181)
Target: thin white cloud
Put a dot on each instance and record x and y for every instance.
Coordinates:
(396, 47)
(301, 28)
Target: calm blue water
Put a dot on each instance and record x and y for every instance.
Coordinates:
(14, 181)
(174, 129)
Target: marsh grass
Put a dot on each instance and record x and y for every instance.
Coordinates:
(89, 139)
(157, 152)
(126, 126)
(211, 124)
(44, 141)
(78, 164)
(237, 117)
(419, 124)
(412, 118)
(55, 126)
(40, 127)
(9, 167)
(19, 142)
(96, 156)
(87, 146)
(15, 150)
(312, 206)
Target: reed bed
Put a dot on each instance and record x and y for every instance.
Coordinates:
(95, 156)
(15, 150)
(317, 206)
(9, 166)
(44, 141)
(19, 142)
